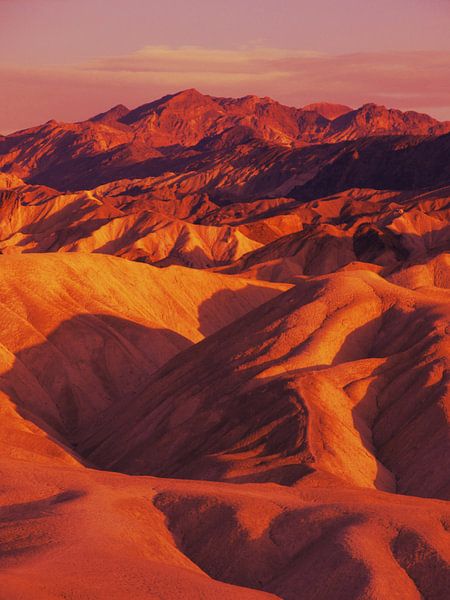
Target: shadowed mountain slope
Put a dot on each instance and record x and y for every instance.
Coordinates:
(177, 134)
(170, 539)
(102, 326)
(318, 390)
(343, 376)
(267, 238)
(224, 354)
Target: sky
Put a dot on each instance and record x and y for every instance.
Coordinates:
(71, 59)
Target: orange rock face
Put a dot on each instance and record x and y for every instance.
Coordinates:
(224, 351)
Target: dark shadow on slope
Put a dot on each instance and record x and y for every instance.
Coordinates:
(431, 573)
(267, 423)
(14, 543)
(315, 251)
(36, 509)
(70, 224)
(400, 417)
(225, 306)
(283, 558)
(121, 244)
(92, 367)
(87, 364)
(209, 409)
(386, 162)
(76, 210)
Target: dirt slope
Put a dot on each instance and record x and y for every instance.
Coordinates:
(107, 324)
(343, 376)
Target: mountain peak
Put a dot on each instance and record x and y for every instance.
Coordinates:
(188, 97)
(188, 119)
(113, 114)
(185, 98)
(189, 93)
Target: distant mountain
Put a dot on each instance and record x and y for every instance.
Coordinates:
(371, 119)
(184, 132)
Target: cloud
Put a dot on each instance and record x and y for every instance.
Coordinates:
(408, 80)
(196, 59)
(415, 77)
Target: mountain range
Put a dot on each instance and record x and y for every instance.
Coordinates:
(224, 353)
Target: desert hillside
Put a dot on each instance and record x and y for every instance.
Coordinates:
(224, 352)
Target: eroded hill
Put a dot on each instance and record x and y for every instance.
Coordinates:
(224, 354)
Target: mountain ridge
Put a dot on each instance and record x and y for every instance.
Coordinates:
(224, 329)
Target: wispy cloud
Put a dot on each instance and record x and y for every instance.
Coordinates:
(199, 60)
(410, 80)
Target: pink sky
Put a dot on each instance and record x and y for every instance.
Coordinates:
(68, 60)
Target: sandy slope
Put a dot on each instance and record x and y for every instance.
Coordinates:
(273, 239)
(174, 423)
(78, 534)
(38, 219)
(343, 375)
(335, 389)
(107, 324)
(73, 533)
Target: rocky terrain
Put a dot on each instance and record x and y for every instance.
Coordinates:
(224, 354)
